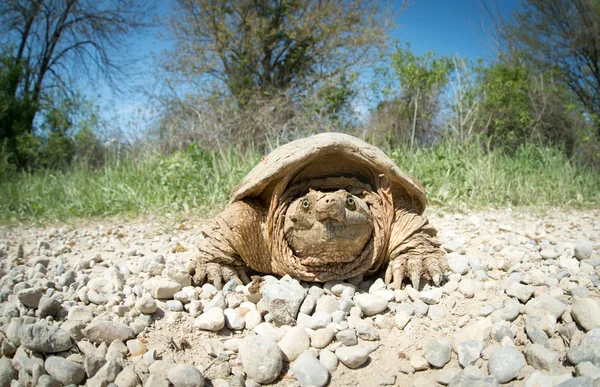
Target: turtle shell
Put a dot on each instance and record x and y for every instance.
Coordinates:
(327, 155)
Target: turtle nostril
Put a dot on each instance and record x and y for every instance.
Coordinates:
(326, 200)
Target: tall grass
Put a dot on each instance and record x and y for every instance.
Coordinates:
(457, 176)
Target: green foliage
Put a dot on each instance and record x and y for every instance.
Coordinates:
(420, 72)
(456, 176)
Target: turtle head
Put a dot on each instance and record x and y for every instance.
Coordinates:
(328, 227)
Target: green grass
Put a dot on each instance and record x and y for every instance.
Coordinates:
(457, 176)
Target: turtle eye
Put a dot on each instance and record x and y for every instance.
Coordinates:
(350, 203)
(305, 204)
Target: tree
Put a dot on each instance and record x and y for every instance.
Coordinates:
(412, 112)
(561, 35)
(46, 44)
(260, 49)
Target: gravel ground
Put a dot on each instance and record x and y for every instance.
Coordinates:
(110, 302)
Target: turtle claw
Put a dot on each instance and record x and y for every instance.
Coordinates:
(388, 276)
(415, 279)
(436, 279)
(398, 277)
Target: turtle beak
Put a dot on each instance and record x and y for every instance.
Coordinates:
(330, 206)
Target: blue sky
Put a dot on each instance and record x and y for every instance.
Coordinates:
(448, 27)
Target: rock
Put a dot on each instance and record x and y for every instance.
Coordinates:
(436, 313)
(262, 359)
(587, 350)
(538, 379)
(328, 359)
(432, 296)
(211, 320)
(127, 378)
(92, 364)
(322, 338)
(64, 371)
(309, 371)
(366, 330)
(162, 288)
(41, 337)
(445, 376)
(352, 357)
(580, 381)
(146, 304)
(185, 375)
(521, 292)
(283, 300)
(541, 357)
(586, 312)
(505, 363)
(421, 308)
(177, 273)
(587, 369)
(419, 363)
(7, 372)
(544, 304)
(467, 287)
(294, 343)
(454, 246)
(549, 254)
(321, 320)
(49, 306)
(309, 303)
(347, 337)
(136, 347)
(107, 374)
(438, 352)
(468, 352)
(48, 381)
(102, 331)
(80, 314)
(478, 331)
(401, 319)
(327, 304)
(583, 250)
(252, 319)
(30, 297)
(459, 264)
(370, 304)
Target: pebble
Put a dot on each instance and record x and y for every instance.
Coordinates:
(63, 370)
(262, 359)
(370, 304)
(469, 352)
(7, 372)
(309, 371)
(505, 363)
(544, 304)
(586, 311)
(146, 304)
(162, 288)
(401, 319)
(328, 359)
(419, 363)
(322, 338)
(102, 331)
(353, 357)
(283, 300)
(583, 250)
(294, 343)
(211, 320)
(438, 352)
(347, 337)
(541, 357)
(432, 296)
(522, 292)
(185, 375)
(30, 297)
(41, 337)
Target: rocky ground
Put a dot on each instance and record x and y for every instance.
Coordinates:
(106, 303)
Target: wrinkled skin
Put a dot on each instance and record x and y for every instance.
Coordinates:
(323, 227)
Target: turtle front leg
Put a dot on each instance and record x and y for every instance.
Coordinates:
(231, 241)
(414, 251)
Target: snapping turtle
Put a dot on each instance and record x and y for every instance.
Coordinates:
(327, 207)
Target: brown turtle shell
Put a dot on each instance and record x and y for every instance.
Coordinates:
(326, 155)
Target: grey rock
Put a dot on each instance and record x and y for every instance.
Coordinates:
(586, 311)
(533, 330)
(366, 330)
(587, 350)
(521, 292)
(41, 337)
(583, 250)
(309, 371)
(541, 357)
(468, 352)
(48, 381)
(106, 374)
(353, 357)
(30, 297)
(102, 331)
(587, 369)
(309, 303)
(49, 306)
(580, 381)
(445, 376)
(261, 357)
(438, 352)
(64, 371)
(459, 264)
(436, 313)
(347, 337)
(454, 246)
(431, 296)
(67, 278)
(146, 304)
(283, 300)
(322, 337)
(549, 254)
(545, 304)
(421, 308)
(466, 379)
(162, 288)
(505, 363)
(92, 364)
(185, 375)
(7, 372)
(294, 343)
